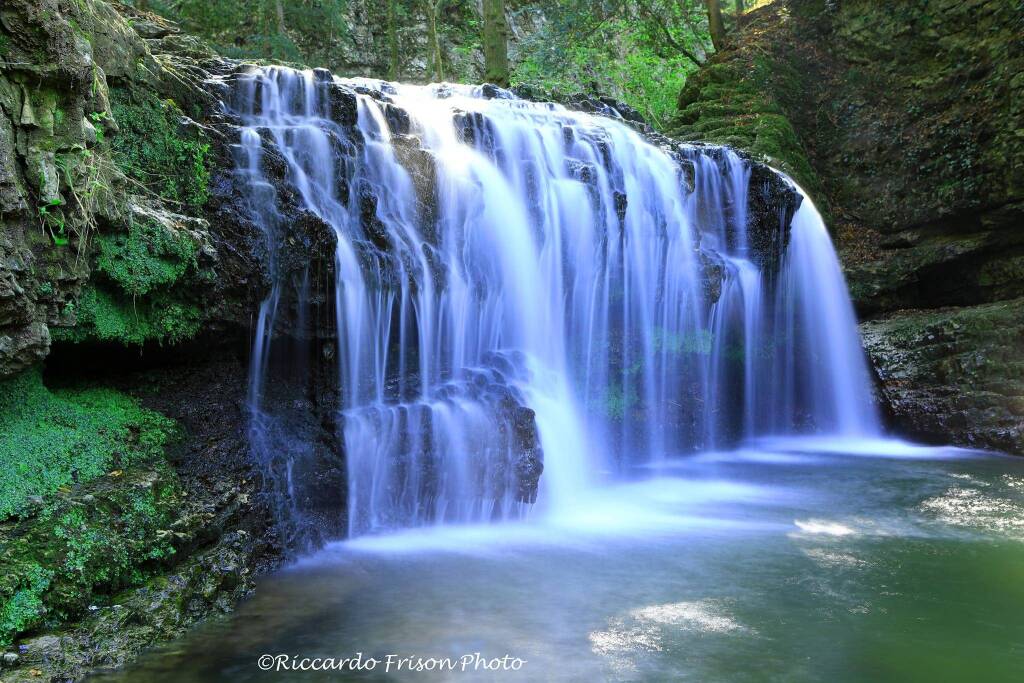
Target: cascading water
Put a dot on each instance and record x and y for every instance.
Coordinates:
(514, 279)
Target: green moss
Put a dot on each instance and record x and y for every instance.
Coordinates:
(110, 317)
(93, 456)
(112, 536)
(54, 439)
(150, 148)
(23, 607)
(148, 257)
(135, 296)
(735, 102)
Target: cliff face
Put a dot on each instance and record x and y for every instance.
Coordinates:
(108, 187)
(908, 119)
(127, 501)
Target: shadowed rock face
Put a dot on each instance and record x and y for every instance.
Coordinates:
(954, 369)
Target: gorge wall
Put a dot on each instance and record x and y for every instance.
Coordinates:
(908, 118)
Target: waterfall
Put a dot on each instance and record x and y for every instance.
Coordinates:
(518, 287)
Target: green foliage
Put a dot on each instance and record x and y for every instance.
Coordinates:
(139, 293)
(54, 443)
(56, 563)
(638, 51)
(23, 607)
(110, 317)
(151, 149)
(249, 29)
(148, 257)
(53, 219)
(51, 440)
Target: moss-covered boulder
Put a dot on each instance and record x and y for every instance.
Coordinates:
(95, 538)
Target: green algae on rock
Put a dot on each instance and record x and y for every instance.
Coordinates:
(98, 537)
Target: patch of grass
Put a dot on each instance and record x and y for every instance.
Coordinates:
(54, 439)
(150, 148)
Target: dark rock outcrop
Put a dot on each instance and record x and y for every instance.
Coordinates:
(926, 358)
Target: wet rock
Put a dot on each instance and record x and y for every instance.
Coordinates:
(344, 108)
(713, 270)
(397, 118)
(771, 207)
(954, 373)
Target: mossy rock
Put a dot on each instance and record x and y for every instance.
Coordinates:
(78, 510)
(148, 257)
(154, 147)
(54, 439)
(104, 315)
(96, 539)
(735, 101)
(146, 283)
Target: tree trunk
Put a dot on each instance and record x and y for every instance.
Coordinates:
(715, 24)
(739, 7)
(433, 9)
(279, 9)
(495, 43)
(392, 21)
